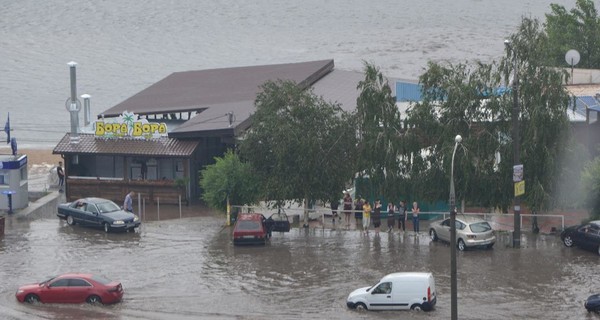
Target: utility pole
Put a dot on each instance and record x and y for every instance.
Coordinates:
(516, 144)
(453, 275)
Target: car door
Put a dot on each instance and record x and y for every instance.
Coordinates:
(76, 211)
(79, 214)
(401, 294)
(95, 219)
(591, 237)
(56, 292)
(444, 230)
(79, 290)
(381, 297)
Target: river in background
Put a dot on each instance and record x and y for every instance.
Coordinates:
(122, 47)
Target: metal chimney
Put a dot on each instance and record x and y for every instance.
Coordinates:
(86, 109)
(73, 105)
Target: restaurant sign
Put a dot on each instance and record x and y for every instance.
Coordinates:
(129, 125)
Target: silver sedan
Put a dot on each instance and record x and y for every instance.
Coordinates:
(470, 232)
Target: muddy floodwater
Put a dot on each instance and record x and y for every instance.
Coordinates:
(189, 269)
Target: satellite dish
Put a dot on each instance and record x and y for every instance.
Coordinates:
(572, 57)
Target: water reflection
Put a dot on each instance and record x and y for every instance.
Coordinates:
(189, 269)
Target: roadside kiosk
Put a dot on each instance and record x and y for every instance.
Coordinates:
(14, 186)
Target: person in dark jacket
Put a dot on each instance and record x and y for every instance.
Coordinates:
(390, 217)
(358, 211)
(376, 216)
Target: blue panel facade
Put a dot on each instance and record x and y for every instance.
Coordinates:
(407, 92)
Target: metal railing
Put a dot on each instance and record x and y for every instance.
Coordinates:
(501, 221)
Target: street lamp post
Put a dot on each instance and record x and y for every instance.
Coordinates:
(453, 282)
(516, 144)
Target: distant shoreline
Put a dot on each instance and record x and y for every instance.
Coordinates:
(37, 156)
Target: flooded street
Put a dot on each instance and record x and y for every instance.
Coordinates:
(189, 269)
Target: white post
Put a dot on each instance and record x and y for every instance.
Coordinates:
(179, 206)
(158, 207)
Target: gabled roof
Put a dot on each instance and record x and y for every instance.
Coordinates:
(158, 147)
(196, 90)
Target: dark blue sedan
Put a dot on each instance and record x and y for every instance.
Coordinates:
(98, 213)
(592, 304)
(585, 236)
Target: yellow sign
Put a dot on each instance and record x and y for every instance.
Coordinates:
(129, 125)
(519, 188)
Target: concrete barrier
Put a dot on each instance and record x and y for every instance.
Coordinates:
(45, 207)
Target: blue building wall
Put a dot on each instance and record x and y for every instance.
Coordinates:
(406, 91)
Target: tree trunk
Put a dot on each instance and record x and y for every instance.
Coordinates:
(305, 212)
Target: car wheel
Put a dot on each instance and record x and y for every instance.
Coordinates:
(491, 245)
(70, 220)
(32, 298)
(106, 227)
(360, 306)
(416, 307)
(461, 245)
(433, 235)
(568, 241)
(599, 250)
(93, 299)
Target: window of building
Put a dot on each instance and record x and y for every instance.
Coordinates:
(4, 177)
(24, 173)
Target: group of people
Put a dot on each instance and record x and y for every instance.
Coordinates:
(365, 214)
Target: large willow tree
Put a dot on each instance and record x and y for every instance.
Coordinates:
(379, 136)
(473, 100)
(299, 145)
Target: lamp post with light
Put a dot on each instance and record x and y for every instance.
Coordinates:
(453, 282)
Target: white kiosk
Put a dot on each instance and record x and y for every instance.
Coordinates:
(14, 186)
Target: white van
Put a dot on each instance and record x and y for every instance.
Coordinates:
(397, 291)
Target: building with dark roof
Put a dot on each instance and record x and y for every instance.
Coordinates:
(204, 110)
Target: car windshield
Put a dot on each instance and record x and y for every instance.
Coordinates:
(47, 280)
(107, 206)
(248, 225)
(480, 227)
(101, 279)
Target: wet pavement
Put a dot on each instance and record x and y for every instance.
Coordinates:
(188, 269)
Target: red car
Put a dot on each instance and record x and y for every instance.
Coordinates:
(72, 288)
(250, 228)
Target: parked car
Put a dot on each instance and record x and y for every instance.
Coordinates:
(592, 304)
(470, 232)
(72, 288)
(250, 228)
(585, 236)
(397, 291)
(279, 222)
(99, 213)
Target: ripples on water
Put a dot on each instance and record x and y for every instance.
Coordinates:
(188, 269)
(124, 46)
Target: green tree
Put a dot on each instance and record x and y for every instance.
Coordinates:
(300, 145)
(464, 99)
(576, 29)
(379, 130)
(590, 178)
(228, 177)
